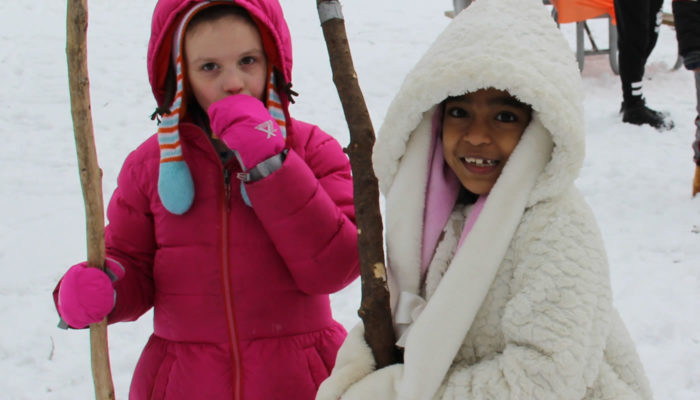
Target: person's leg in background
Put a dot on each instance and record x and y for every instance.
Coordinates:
(696, 143)
(638, 23)
(654, 18)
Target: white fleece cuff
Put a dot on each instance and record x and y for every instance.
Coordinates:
(353, 362)
(381, 384)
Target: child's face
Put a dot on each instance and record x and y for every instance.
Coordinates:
(225, 57)
(479, 132)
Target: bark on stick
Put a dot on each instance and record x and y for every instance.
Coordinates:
(375, 309)
(90, 179)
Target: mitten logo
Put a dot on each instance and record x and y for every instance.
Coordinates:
(267, 127)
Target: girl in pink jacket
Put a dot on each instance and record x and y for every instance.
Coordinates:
(234, 222)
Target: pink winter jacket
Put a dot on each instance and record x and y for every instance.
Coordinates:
(240, 300)
(240, 294)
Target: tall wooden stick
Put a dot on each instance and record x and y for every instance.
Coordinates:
(375, 310)
(90, 179)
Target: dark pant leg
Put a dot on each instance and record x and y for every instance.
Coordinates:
(636, 34)
(655, 16)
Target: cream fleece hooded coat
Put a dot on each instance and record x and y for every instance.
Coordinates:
(524, 308)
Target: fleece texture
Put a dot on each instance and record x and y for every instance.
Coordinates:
(523, 308)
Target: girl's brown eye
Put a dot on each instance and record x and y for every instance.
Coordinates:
(506, 116)
(248, 60)
(208, 67)
(456, 112)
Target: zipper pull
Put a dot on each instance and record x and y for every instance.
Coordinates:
(227, 188)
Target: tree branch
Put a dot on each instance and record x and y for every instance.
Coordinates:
(90, 179)
(375, 310)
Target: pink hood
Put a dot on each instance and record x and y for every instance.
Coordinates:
(267, 14)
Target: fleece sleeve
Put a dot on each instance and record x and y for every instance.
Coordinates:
(306, 207)
(555, 324)
(129, 239)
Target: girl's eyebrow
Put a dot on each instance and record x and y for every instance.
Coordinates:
(504, 100)
(510, 101)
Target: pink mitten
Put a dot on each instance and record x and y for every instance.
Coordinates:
(247, 128)
(86, 295)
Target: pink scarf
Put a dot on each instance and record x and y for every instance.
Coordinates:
(441, 194)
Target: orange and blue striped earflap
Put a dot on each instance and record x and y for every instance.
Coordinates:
(175, 185)
(274, 103)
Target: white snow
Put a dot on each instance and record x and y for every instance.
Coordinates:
(638, 180)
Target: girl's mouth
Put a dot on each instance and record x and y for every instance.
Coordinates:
(480, 162)
(479, 165)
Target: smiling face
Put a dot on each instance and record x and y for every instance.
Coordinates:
(479, 132)
(223, 57)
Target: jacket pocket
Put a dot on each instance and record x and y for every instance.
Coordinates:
(160, 383)
(317, 369)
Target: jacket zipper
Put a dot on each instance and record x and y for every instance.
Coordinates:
(227, 190)
(226, 283)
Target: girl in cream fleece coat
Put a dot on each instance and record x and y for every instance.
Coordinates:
(508, 296)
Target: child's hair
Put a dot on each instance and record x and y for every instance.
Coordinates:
(217, 12)
(517, 102)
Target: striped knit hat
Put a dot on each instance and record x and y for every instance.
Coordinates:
(175, 185)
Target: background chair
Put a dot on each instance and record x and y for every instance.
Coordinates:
(580, 12)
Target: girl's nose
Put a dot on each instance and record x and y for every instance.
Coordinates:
(477, 133)
(232, 82)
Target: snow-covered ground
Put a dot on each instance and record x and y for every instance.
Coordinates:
(637, 180)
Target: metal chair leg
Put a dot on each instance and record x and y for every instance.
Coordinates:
(613, 54)
(678, 64)
(460, 5)
(580, 50)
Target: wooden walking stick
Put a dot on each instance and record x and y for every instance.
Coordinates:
(90, 179)
(375, 310)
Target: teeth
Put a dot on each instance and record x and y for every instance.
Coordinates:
(480, 162)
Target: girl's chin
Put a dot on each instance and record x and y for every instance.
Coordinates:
(478, 188)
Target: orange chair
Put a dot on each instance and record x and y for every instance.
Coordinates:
(579, 11)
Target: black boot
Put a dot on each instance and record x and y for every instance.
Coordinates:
(636, 112)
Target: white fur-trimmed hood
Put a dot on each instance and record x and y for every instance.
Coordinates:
(522, 52)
